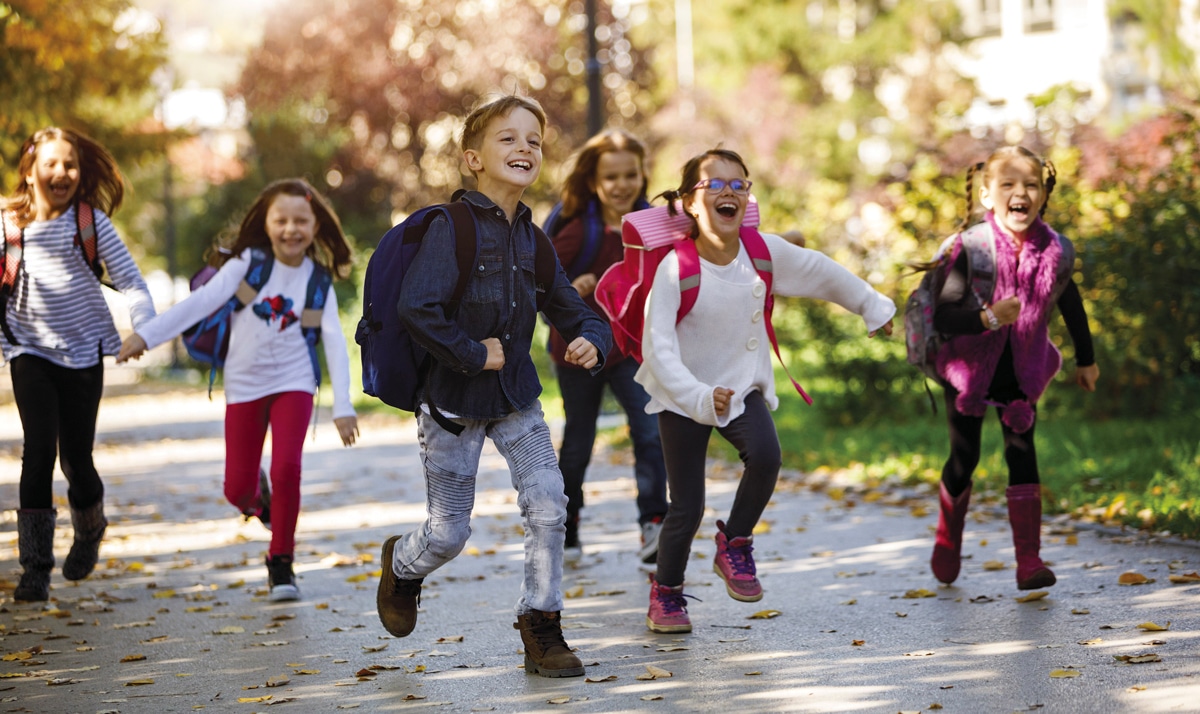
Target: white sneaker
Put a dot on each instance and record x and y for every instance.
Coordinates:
(284, 592)
(650, 533)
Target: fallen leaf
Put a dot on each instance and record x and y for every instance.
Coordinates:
(653, 672)
(1080, 611)
(306, 671)
(652, 698)
(412, 697)
(357, 578)
(672, 648)
(67, 680)
(1151, 627)
(994, 565)
(920, 593)
(935, 705)
(1093, 641)
(278, 680)
(375, 648)
(138, 682)
(609, 678)
(574, 592)
(901, 614)
(857, 643)
(133, 658)
(1064, 673)
(1136, 688)
(1072, 539)
(254, 700)
(764, 615)
(558, 700)
(364, 672)
(163, 594)
(1138, 658)
(925, 653)
(1183, 578)
(230, 630)
(1036, 595)
(755, 673)
(451, 638)
(851, 602)
(1131, 577)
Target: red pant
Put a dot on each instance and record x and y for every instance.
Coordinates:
(245, 431)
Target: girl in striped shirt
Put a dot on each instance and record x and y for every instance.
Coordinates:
(56, 330)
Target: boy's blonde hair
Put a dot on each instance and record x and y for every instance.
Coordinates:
(494, 107)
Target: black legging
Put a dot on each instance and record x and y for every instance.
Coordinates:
(966, 433)
(685, 448)
(58, 408)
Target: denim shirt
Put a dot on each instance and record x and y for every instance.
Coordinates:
(499, 302)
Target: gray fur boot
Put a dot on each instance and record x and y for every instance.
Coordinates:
(85, 550)
(35, 543)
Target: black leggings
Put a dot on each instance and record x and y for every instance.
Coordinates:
(58, 408)
(685, 449)
(966, 433)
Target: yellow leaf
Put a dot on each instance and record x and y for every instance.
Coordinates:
(558, 700)
(920, 593)
(1192, 577)
(236, 584)
(1139, 658)
(306, 671)
(574, 592)
(163, 594)
(1064, 673)
(851, 602)
(764, 615)
(1080, 611)
(755, 673)
(1136, 688)
(934, 706)
(983, 543)
(1093, 641)
(133, 658)
(919, 511)
(761, 528)
(857, 643)
(472, 551)
(10, 675)
(15, 656)
(994, 565)
(322, 606)
(358, 578)
(653, 672)
(652, 698)
(135, 567)
(199, 608)
(1151, 627)
(925, 653)
(1131, 577)
(230, 630)
(138, 682)
(412, 697)
(1036, 595)
(451, 638)
(1072, 539)
(609, 678)
(254, 700)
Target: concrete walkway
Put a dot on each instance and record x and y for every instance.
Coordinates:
(176, 618)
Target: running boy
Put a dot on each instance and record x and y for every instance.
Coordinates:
(482, 383)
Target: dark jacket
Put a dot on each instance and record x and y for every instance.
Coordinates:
(499, 302)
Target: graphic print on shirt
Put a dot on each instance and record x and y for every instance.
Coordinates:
(276, 308)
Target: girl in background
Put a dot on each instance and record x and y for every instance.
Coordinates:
(268, 370)
(56, 331)
(607, 180)
(1000, 355)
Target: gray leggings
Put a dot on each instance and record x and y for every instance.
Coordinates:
(685, 447)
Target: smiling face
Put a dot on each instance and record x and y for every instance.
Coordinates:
(54, 178)
(1013, 189)
(291, 226)
(510, 151)
(718, 212)
(618, 183)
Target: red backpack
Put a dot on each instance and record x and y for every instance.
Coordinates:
(648, 236)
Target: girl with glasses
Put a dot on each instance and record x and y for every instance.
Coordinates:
(713, 370)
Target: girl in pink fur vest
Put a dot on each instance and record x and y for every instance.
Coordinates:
(1000, 355)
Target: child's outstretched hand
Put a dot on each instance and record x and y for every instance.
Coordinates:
(721, 399)
(131, 348)
(582, 353)
(585, 284)
(347, 429)
(1086, 377)
(887, 329)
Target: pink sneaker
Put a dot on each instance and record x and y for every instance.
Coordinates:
(668, 609)
(735, 564)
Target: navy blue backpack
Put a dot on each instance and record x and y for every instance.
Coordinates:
(393, 363)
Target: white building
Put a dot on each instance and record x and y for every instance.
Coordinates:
(1024, 47)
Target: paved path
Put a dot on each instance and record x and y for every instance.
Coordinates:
(176, 620)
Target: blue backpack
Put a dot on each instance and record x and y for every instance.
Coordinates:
(393, 363)
(208, 340)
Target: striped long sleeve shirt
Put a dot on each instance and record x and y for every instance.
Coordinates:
(56, 310)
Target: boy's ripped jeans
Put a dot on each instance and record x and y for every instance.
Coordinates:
(451, 463)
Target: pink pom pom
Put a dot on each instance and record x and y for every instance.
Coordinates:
(1018, 416)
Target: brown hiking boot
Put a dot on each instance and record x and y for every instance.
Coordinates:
(546, 652)
(397, 599)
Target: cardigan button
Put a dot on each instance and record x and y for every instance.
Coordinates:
(752, 344)
(760, 289)
(756, 316)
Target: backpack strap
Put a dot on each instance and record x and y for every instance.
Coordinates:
(593, 232)
(756, 248)
(980, 245)
(314, 308)
(689, 276)
(261, 262)
(11, 253)
(85, 237)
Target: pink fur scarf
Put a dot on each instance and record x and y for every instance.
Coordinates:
(968, 362)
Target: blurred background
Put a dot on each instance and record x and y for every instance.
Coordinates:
(858, 119)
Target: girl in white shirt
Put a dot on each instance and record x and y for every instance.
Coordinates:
(268, 371)
(713, 370)
(56, 330)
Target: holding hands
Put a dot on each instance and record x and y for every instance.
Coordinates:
(132, 348)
